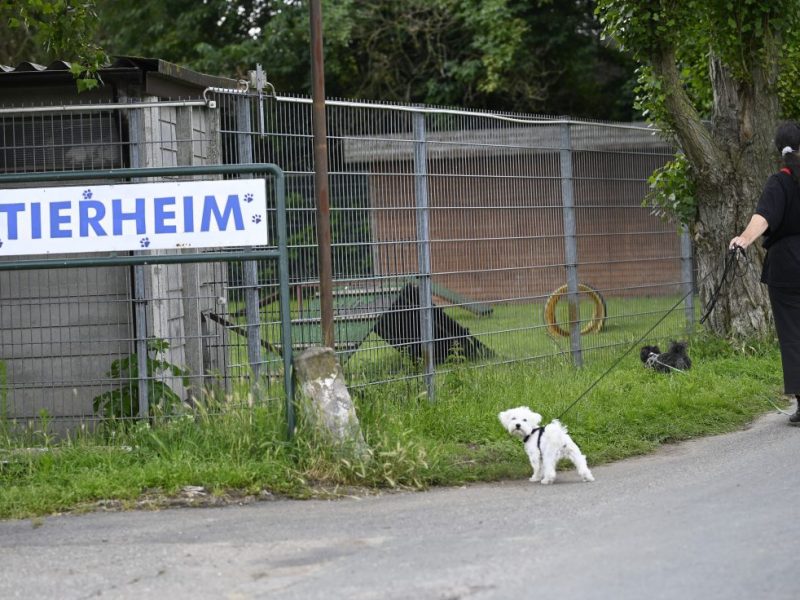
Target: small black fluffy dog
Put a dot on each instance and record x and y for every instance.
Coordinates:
(664, 362)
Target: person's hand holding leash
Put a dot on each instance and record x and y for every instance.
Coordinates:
(757, 226)
(737, 242)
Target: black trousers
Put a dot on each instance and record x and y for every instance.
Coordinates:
(786, 310)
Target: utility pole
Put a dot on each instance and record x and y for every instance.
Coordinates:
(321, 190)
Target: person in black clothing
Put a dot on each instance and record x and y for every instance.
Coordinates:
(777, 218)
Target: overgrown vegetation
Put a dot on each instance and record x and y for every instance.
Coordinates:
(235, 451)
(123, 400)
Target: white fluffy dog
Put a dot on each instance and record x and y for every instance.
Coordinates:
(544, 445)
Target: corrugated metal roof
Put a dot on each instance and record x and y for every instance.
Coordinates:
(122, 64)
(28, 67)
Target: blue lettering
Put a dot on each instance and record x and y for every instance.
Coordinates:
(87, 220)
(57, 219)
(162, 215)
(36, 221)
(188, 214)
(12, 210)
(232, 207)
(118, 216)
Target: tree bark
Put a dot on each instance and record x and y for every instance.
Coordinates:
(731, 158)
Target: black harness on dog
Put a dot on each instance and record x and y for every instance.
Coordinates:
(538, 439)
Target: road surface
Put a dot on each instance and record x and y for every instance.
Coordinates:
(711, 518)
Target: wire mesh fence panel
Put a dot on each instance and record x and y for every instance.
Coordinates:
(457, 238)
(459, 215)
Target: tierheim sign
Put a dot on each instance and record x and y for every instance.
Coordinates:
(135, 216)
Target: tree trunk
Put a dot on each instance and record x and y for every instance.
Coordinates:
(731, 159)
(742, 309)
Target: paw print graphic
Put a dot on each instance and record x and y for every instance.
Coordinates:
(144, 242)
(87, 194)
(256, 219)
(248, 198)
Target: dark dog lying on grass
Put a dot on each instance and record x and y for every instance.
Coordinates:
(674, 359)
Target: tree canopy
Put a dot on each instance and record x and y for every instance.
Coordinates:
(717, 76)
(528, 56)
(47, 30)
(542, 56)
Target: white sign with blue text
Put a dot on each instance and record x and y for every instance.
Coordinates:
(135, 216)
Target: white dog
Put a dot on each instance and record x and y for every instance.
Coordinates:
(544, 445)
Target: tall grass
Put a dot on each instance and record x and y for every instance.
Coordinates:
(234, 450)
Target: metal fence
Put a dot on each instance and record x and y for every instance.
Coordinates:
(453, 229)
(462, 237)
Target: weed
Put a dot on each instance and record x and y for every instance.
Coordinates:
(123, 401)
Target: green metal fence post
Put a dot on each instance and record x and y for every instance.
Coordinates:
(286, 323)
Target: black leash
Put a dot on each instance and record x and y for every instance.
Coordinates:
(729, 262)
(624, 354)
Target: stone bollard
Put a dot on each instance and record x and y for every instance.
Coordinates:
(324, 399)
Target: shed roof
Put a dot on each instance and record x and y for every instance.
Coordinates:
(136, 75)
(503, 139)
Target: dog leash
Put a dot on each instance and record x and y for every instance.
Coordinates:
(624, 354)
(729, 262)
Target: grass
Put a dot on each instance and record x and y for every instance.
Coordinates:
(518, 332)
(513, 331)
(236, 452)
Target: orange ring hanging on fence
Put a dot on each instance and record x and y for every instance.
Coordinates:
(593, 326)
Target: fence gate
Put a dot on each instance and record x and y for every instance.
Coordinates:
(68, 360)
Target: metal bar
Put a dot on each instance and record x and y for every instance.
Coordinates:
(56, 176)
(138, 158)
(250, 268)
(424, 251)
(140, 317)
(462, 113)
(570, 244)
(155, 259)
(252, 316)
(286, 317)
(318, 124)
(95, 107)
(687, 276)
(261, 80)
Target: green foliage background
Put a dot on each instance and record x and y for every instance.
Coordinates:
(741, 34)
(521, 55)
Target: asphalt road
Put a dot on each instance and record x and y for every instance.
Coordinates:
(711, 518)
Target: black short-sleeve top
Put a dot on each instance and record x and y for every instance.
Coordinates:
(780, 206)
